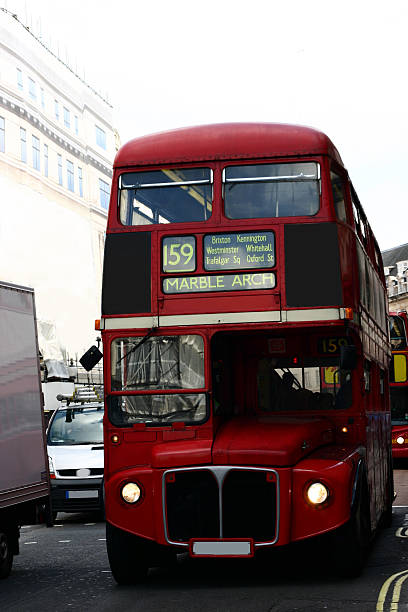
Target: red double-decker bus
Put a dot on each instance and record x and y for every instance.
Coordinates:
(399, 384)
(245, 350)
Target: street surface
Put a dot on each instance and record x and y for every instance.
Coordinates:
(66, 568)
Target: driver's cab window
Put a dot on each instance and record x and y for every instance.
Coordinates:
(316, 384)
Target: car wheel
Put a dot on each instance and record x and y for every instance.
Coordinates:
(127, 556)
(6, 556)
(352, 539)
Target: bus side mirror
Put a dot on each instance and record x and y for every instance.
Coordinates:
(348, 357)
(91, 358)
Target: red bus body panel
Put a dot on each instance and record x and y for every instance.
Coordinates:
(291, 450)
(400, 451)
(230, 141)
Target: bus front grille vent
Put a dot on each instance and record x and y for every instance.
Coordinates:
(196, 501)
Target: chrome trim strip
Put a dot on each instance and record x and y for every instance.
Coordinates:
(267, 179)
(130, 323)
(218, 318)
(219, 472)
(172, 184)
(309, 314)
(208, 181)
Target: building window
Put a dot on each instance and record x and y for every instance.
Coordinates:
(76, 125)
(42, 98)
(100, 137)
(67, 118)
(45, 160)
(32, 89)
(20, 79)
(80, 182)
(104, 193)
(36, 153)
(59, 168)
(56, 109)
(2, 135)
(23, 141)
(70, 175)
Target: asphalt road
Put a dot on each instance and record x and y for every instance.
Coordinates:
(66, 568)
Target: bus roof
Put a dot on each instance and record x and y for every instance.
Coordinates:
(225, 141)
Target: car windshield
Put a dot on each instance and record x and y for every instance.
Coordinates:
(76, 425)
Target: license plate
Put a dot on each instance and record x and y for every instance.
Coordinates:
(221, 548)
(81, 494)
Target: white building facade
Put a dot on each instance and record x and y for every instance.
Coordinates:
(395, 262)
(57, 146)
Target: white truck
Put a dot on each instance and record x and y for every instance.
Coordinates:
(24, 472)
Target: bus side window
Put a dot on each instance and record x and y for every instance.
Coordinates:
(356, 216)
(367, 376)
(382, 382)
(338, 196)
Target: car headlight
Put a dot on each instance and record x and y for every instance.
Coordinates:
(50, 465)
(131, 492)
(317, 493)
(400, 440)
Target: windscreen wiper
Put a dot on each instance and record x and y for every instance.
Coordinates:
(142, 341)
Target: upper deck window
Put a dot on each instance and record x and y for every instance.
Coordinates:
(272, 190)
(165, 196)
(397, 333)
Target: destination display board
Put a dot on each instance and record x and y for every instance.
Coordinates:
(219, 282)
(239, 251)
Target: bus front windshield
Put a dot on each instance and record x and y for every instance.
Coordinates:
(397, 333)
(399, 405)
(158, 363)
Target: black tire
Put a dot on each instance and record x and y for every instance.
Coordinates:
(6, 555)
(351, 541)
(127, 556)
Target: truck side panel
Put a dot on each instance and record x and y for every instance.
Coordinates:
(23, 472)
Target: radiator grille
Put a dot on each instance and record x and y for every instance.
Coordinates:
(248, 503)
(192, 505)
(73, 472)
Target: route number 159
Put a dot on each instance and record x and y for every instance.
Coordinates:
(179, 254)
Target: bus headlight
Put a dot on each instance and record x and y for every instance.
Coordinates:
(400, 440)
(317, 493)
(131, 492)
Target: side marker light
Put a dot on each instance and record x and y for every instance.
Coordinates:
(348, 313)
